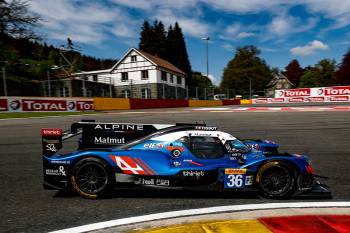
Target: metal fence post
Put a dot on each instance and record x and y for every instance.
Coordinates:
(187, 92)
(4, 80)
(175, 92)
(110, 87)
(163, 91)
(48, 83)
(84, 89)
(205, 93)
(196, 92)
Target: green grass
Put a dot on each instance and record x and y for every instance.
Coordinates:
(39, 114)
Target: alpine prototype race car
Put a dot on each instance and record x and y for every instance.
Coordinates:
(177, 156)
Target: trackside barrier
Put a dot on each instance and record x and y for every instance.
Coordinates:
(231, 102)
(204, 103)
(45, 104)
(102, 104)
(246, 102)
(157, 103)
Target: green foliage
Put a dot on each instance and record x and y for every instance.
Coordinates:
(199, 80)
(245, 66)
(323, 74)
(169, 45)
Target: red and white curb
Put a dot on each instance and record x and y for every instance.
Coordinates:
(201, 211)
(277, 109)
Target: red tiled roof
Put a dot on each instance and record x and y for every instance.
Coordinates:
(161, 62)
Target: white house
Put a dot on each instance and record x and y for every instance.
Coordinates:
(140, 75)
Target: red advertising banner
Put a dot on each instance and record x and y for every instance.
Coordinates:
(260, 101)
(316, 99)
(339, 90)
(294, 92)
(276, 100)
(38, 105)
(3, 105)
(338, 98)
(18, 104)
(296, 100)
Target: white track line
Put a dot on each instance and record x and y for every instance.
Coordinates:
(73, 115)
(201, 211)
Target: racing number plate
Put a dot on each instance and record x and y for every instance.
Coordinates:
(235, 178)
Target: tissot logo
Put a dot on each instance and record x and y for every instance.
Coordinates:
(109, 141)
(122, 127)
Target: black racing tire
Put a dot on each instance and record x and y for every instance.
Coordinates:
(276, 179)
(91, 178)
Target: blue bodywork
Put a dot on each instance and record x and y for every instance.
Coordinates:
(150, 159)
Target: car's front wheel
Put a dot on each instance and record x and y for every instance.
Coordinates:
(276, 180)
(91, 178)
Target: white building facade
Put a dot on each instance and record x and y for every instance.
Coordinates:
(140, 75)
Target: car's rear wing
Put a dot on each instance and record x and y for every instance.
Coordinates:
(102, 135)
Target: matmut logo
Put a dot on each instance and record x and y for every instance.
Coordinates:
(337, 91)
(296, 92)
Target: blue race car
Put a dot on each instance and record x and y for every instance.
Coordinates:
(181, 156)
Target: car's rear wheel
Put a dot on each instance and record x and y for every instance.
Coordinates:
(91, 178)
(276, 180)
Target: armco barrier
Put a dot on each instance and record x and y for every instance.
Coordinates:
(245, 101)
(111, 104)
(157, 103)
(231, 102)
(204, 103)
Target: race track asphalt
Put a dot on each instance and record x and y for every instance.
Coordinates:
(26, 207)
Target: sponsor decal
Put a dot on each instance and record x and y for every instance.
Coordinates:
(193, 162)
(342, 90)
(159, 182)
(51, 132)
(193, 173)
(60, 161)
(316, 99)
(295, 92)
(206, 128)
(128, 165)
(153, 146)
(171, 148)
(109, 141)
(56, 172)
(296, 99)
(235, 171)
(338, 98)
(249, 180)
(3, 105)
(119, 127)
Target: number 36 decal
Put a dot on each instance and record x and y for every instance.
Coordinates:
(237, 180)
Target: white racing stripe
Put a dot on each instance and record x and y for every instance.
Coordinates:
(201, 211)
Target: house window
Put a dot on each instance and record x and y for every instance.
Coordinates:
(171, 79)
(126, 93)
(124, 76)
(163, 74)
(133, 58)
(179, 80)
(144, 74)
(94, 77)
(145, 93)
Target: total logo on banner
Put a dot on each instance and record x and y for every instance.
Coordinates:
(17, 104)
(294, 92)
(331, 91)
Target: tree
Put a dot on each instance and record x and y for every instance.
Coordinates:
(323, 74)
(153, 39)
(294, 72)
(16, 21)
(343, 73)
(176, 51)
(169, 45)
(244, 67)
(200, 80)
